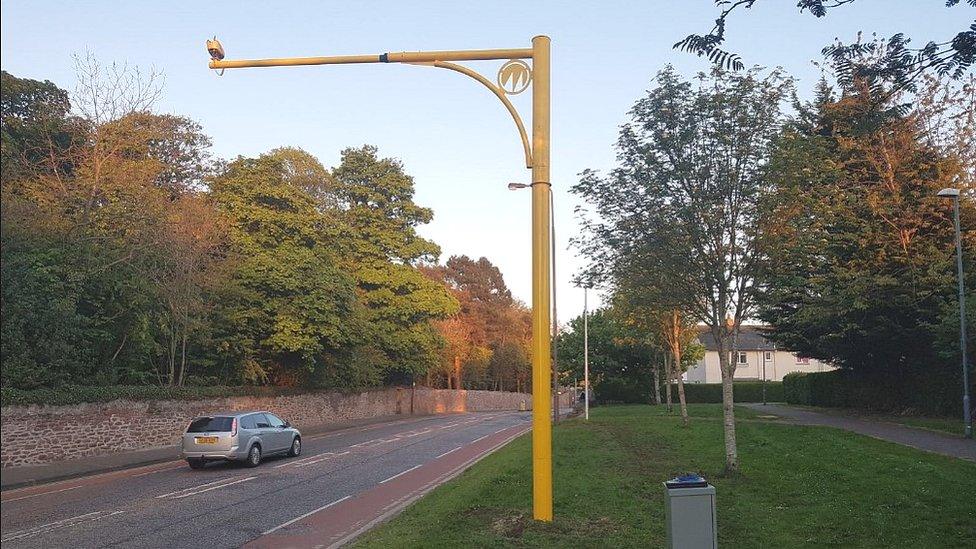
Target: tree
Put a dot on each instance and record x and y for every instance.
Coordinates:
(36, 127)
(86, 223)
(860, 250)
(678, 217)
(381, 248)
(620, 356)
(492, 321)
(893, 61)
(290, 313)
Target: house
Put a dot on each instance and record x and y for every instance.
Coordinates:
(756, 358)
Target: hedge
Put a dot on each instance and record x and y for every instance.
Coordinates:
(918, 391)
(742, 391)
(78, 394)
(617, 390)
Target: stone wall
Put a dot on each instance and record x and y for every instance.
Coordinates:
(35, 435)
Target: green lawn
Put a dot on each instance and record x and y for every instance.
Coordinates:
(799, 487)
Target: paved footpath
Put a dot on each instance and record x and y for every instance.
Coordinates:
(921, 439)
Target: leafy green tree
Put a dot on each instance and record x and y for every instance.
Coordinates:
(860, 266)
(290, 311)
(381, 248)
(37, 129)
(678, 218)
(620, 357)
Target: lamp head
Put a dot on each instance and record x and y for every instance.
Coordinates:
(949, 192)
(517, 186)
(215, 50)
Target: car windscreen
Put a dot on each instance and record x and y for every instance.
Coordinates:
(210, 424)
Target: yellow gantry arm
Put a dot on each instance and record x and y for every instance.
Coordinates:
(398, 57)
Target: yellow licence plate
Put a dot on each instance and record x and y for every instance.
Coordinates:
(205, 440)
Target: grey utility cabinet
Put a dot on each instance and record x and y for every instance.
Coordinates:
(689, 511)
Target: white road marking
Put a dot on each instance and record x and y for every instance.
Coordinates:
(44, 493)
(500, 430)
(479, 438)
(449, 452)
(323, 457)
(299, 461)
(306, 515)
(194, 490)
(64, 523)
(399, 474)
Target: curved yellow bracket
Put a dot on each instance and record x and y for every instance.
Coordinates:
(498, 93)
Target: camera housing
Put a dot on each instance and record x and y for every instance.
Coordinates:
(215, 49)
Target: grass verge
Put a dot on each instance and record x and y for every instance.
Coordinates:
(799, 487)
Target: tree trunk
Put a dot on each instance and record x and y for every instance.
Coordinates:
(656, 368)
(681, 388)
(667, 383)
(182, 376)
(728, 408)
(457, 371)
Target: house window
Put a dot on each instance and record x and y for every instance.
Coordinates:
(768, 355)
(802, 359)
(743, 359)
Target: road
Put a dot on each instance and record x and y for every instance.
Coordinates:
(344, 482)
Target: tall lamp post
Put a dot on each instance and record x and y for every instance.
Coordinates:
(967, 415)
(514, 77)
(586, 355)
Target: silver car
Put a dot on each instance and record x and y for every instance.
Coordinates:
(239, 436)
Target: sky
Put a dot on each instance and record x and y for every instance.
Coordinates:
(452, 135)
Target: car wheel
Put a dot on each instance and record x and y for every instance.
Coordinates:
(196, 463)
(296, 447)
(253, 456)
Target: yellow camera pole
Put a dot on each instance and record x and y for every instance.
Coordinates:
(516, 75)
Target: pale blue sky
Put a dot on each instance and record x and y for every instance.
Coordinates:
(452, 135)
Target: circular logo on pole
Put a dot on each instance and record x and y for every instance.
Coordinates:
(514, 76)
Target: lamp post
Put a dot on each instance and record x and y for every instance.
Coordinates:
(586, 355)
(966, 410)
(513, 77)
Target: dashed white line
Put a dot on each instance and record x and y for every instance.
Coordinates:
(44, 493)
(64, 523)
(298, 462)
(480, 438)
(500, 430)
(321, 459)
(194, 490)
(400, 474)
(306, 515)
(449, 452)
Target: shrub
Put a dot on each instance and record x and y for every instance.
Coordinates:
(911, 391)
(620, 390)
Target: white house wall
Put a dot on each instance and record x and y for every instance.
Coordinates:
(777, 365)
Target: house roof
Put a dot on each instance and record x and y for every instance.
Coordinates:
(750, 339)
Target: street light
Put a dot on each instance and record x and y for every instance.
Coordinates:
(586, 355)
(513, 77)
(967, 416)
